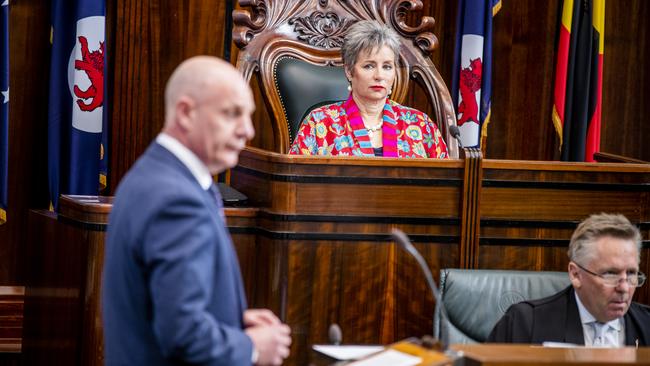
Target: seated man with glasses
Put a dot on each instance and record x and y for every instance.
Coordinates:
(597, 310)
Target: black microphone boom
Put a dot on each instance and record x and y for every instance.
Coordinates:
(455, 132)
(400, 238)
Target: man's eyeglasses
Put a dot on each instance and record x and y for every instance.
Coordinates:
(636, 279)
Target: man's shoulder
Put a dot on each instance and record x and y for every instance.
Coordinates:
(553, 299)
(641, 309)
(155, 174)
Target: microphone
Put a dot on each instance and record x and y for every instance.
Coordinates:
(400, 238)
(335, 334)
(455, 132)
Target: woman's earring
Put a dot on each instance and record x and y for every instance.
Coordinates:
(390, 91)
(349, 86)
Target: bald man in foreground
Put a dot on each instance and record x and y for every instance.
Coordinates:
(172, 290)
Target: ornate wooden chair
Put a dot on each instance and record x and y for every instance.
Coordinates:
(294, 46)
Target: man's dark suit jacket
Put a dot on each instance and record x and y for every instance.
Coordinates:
(172, 289)
(556, 319)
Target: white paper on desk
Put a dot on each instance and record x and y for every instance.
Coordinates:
(560, 345)
(346, 353)
(389, 357)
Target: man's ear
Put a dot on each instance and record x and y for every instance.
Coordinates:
(184, 110)
(574, 275)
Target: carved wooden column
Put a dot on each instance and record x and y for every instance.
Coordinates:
(470, 223)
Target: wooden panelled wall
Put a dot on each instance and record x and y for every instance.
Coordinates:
(147, 39)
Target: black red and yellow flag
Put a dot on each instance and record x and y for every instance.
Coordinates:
(579, 78)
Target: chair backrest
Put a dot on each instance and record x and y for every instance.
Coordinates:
(295, 80)
(476, 299)
(293, 47)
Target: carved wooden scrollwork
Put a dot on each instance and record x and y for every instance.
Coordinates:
(422, 34)
(324, 28)
(319, 29)
(247, 23)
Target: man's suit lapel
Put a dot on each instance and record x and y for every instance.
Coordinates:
(573, 328)
(159, 152)
(630, 331)
(636, 326)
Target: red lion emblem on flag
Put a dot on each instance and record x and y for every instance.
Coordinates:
(93, 64)
(470, 83)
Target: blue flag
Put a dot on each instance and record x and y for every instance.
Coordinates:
(471, 87)
(4, 108)
(77, 118)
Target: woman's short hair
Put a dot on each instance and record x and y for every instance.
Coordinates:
(367, 35)
(596, 227)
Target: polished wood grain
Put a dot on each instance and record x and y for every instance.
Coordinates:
(62, 295)
(503, 355)
(11, 319)
(521, 127)
(603, 157)
(27, 180)
(62, 307)
(471, 213)
(626, 83)
(319, 218)
(530, 209)
(147, 40)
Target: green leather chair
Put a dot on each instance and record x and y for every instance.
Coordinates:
(304, 86)
(476, 299)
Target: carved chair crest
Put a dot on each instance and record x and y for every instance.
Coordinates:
(312, 31)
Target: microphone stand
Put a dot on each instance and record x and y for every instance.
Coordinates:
(400, 238)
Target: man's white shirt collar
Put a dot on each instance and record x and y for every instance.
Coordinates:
(587, 319)
(188, 158)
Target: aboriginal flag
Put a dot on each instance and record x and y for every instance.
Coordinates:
(579, 78)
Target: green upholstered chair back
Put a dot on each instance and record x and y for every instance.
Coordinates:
(476, 299)
(303, 86)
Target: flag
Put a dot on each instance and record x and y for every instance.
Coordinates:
(579, 78)
(472, 74)
(4, 108)
(76, 115)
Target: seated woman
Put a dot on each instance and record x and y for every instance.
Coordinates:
(368, 123)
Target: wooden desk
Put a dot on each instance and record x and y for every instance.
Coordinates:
(314, 246)
(323, 226)
(511, 355)
(62, 319)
